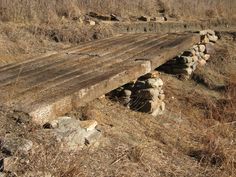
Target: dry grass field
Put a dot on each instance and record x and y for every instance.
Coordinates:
(54, 10)
(195, 137)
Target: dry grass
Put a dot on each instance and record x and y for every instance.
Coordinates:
(200, 142)
(179, 143)
(51, 11)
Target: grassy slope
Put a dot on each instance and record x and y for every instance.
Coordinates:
(50, 11)
(195, 137)
(172, 145)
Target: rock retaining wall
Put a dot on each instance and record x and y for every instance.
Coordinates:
(186, 63)
(145, 94)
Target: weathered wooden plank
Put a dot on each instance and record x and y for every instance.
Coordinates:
(81, 67)
(49, 86)
(75, 58)
(63, 57)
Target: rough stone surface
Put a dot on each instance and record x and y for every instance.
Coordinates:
(160, 110)
(154, 83)
(202, 48)
(158, 19)
(212, 38)
(150, 106)
(126, 93)
(12, 145)
(88, 125)
(91, 22)
(201, 62)
(74, 134)
(154, 74)
(208, 31)
(184, 59)
(207, 57)
(205, 40)
(149, 94)
(161, 97)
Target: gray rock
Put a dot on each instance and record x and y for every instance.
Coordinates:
(159, 111)
(91, 22)
(161, 97)
(154, 83)
(148, 94)
(126, 93)
(125, 101)
(205, 40)
(88, 125)
(206, 57)
(12, 145)
(195, 48)
(201, 62)
(194, 67)
(158, 19)
(139, 85)
(208, 31)
(75, 134)
(202, 48)
(187, 71)
(150, 106)
(195, 59)
(202, 55)
(189, 53)
(184, 59)
(213, 38)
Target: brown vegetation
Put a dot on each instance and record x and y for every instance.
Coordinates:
(51, 11)
(195, 137)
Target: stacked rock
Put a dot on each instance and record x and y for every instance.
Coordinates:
(122, 94)
(145, 94)
(208, 36)
(185, 64)
(148, 95)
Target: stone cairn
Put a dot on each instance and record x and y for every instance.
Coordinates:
(186, 63)
(144, 95)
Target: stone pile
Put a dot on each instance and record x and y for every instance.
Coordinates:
(148, 95)
(185, 64)
(144, 95)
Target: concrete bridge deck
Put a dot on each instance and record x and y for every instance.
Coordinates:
(49, 86)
